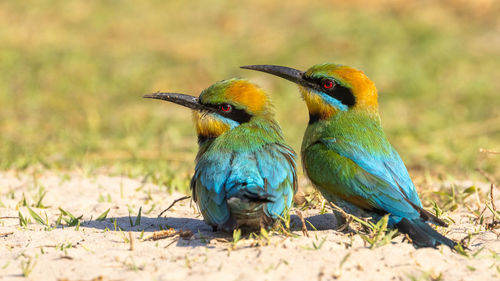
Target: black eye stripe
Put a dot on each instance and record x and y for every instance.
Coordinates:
(344, 95)
(238, 115)
(339, 92)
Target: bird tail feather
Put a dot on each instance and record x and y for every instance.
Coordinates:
(422, 234)
(252, 196)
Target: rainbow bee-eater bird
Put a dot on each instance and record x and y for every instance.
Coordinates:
(347, 156)
(245, 173)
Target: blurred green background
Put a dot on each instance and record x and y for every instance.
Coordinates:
(73, 74)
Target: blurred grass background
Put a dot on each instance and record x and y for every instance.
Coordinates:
(73, 73)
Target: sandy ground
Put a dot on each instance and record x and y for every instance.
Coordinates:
(95, 251)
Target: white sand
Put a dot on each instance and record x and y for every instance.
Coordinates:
(95, 253)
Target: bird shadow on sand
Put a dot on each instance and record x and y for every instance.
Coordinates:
(326, 221)
(201, 232)
(148, 225)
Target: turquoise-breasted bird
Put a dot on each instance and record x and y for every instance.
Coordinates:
(347, 156)
(245, 173)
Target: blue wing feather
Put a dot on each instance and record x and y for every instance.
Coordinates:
(388, 167)
(243, 174)
(211, 172)
(219, 176)
(276, 164)
(381, 179)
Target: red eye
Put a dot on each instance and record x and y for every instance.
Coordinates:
(327, 84)
(225, 107)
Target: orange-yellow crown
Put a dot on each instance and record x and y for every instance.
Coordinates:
(363, 89)
(240, 93)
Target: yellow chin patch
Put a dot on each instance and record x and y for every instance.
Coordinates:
(247, 94)
(207, 125)
(316, 105)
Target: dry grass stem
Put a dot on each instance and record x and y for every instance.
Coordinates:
(157, 235)
(304, 227)
(482, 150)
(131, 241)
(173, 203)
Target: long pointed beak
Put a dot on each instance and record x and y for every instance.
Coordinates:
(287, 73)
(181, 99)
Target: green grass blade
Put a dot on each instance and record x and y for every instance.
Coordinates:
(36, 217)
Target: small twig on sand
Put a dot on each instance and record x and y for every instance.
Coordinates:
(482, 150)
(66, 258)
(304, 227)
(338, 209)
(6, 234)
(131, 240)
(157, 235)
(1, 218)
(173, 203)
(347, 217)
(173, 241)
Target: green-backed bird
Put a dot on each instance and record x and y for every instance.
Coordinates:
(245, 173)
(347, 156)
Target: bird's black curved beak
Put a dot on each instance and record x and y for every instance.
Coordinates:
(287, 73)
(181, 99)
